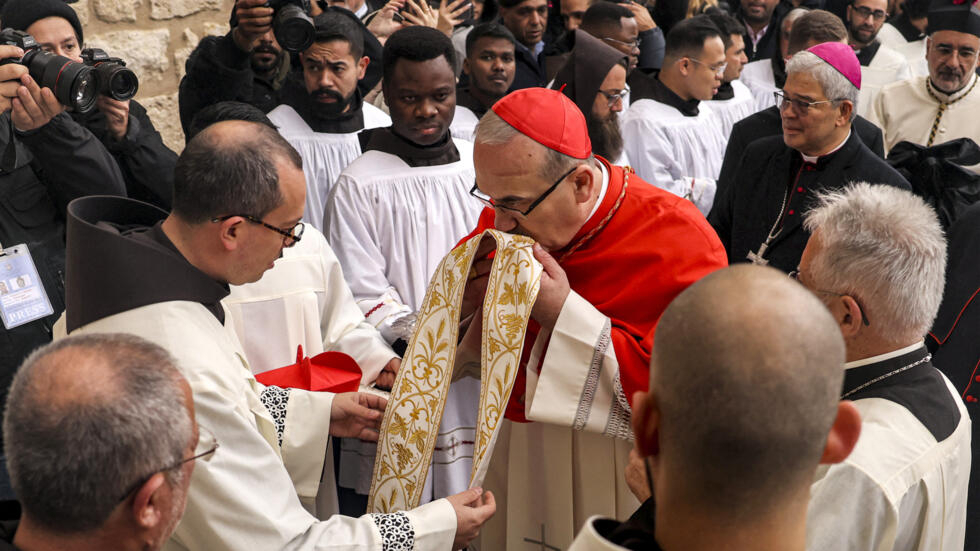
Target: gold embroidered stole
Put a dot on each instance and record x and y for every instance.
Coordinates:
(411, 421)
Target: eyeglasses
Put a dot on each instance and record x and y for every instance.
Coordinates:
(489, 201)
(631, 45)
(866, 12)
(615, 97)
(965, 54)
(717, 69)
(207, 444)
(795, 274)
(290, 237)
(800, 106)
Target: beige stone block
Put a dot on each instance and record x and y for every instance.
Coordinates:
(81, 8)
(168, 9)
(145, 52)
(163, 111)
(115, 11)
(181, 54)
(216, 28)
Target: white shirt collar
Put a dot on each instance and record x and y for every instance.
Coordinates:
(883, 357)
(811, 159)
(602, 191)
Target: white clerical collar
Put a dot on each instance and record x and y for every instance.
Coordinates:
(602, 192)
(949, 98)
(812, 159)
(883, 357)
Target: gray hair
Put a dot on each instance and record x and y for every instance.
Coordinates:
(493, 130)
(884, 245)
(75, 447)
(835, 85)
(223, 171)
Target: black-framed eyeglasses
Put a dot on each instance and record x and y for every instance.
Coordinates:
(207, 444)
(795, 274)
(489, 201)
(631, 45)
(783, 101)
(615, 97)
(290, 237)
(866, 12)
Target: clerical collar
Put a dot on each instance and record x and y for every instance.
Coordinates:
(660, 92)
(386, 140)
(295, 95)
(882, 357)
(119, 259)
(867, 54)
(814, 159)
(602, 191)
(950, 98)
(725, 91)
(469, 101)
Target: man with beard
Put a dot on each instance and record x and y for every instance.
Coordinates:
(765, 76)
(392, 216)
(322, 120)
(762, 25)
(734, 101)
(594, 77)
(490, 66)
(527, 21)
(105, 464)
(880, 65)
(943, 106)
(671, 134)
(759, 213)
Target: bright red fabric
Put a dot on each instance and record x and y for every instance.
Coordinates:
(654, 247)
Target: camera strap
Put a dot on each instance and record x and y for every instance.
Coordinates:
(9, 161)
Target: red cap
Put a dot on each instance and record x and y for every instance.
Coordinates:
(548, 117)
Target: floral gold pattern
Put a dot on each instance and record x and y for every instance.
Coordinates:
(411, 420)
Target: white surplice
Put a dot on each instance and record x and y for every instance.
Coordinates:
(886, 67)
(759, 78)
(390, 225)
(914, 51)
(675, 152)
(464, 122)
(251, 493)
(732, 110)
(324, 155)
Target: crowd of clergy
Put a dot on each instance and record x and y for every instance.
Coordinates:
(756, 323)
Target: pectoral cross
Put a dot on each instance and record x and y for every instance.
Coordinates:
(544, 546)
(756, 257)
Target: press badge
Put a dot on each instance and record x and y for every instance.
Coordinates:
(22, 296)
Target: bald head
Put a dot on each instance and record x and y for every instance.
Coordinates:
(86, 418)
(231, 167)
(747, 369)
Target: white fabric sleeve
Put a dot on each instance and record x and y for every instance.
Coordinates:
(578, 385)
(849, 510)
(353, 237)
(343, 325)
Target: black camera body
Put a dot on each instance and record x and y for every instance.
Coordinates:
(113, 78)
(292, 24)
(74, 84)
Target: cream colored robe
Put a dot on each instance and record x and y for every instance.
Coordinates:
(243, 498)
(886, 67)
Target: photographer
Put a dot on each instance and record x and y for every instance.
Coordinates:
(123, 127)
(250, 66)
(36, 133)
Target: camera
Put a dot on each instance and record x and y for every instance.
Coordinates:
(113, 79)
(73, 83)
(292, 24)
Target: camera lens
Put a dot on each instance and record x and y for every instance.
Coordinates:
(116, 81)
(293, 28)
(73, 83)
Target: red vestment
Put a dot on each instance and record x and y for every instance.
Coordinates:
(653, 247)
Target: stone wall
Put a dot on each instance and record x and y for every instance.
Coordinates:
(154, 37)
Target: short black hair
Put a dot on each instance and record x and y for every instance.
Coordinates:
(915, 9)
(815, 26)
(687, 37)
(334, 24)
(727, 24)
(487, 30)
(415, 43)
(226, 111)
(604, 15)
(216, 175)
